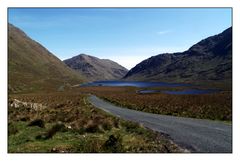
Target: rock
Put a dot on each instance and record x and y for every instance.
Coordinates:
(35, 106)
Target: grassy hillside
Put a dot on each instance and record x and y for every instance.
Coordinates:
(32, 67)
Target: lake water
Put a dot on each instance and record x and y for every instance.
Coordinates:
(181, 92)
(133, 84)
(151, 84)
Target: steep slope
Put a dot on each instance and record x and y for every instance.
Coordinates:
(31, 67)
(96, 69)
(210, 60)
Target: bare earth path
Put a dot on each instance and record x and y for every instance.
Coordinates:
(195, 135)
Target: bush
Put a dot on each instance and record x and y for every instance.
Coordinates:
(133, 127)
(92, 127)
(57, 127)
(12, 129)
(113, 144)
(50, 133)
(24, 119)
(106, 126)
(37, 122)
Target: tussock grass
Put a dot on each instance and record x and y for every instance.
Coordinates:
(71, 124)
(37, 122)
(216, 106)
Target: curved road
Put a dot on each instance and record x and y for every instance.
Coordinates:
(195, 135)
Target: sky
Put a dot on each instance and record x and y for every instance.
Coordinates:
(125, 35)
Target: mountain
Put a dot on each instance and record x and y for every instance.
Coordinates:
(95, 69)
(31, 67)
(209, 61)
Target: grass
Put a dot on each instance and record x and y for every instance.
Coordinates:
(70, 124)
(216, 106)
(32, 68)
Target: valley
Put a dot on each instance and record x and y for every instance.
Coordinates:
(51, 102)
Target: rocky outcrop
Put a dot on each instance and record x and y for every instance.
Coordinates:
(19, 104)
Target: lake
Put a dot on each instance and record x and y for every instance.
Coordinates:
(180, 92)
(151, 84)
(133, 84)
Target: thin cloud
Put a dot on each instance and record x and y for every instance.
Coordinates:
(164, 32)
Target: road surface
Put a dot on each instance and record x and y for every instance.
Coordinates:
(196, 135)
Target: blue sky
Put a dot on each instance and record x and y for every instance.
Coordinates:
(126, 36)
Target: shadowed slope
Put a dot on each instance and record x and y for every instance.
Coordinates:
(210, 60)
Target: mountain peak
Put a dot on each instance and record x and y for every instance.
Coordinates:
(96, 69)
(208, 60)
(33, 67)
(83, 55)
(212, 43)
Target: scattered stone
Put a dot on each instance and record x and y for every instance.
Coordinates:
(19, 104)
(53, 150)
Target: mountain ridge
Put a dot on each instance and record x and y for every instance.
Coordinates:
(94, 68)
(31, 67)
(208, 60)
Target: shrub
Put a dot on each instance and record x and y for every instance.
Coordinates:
(50, 133)
(113, 144)
(92, 127)
(133, 127)
(57, 127)
(12, 129)
(130, 126)
(24, 119)
(37, 122)
(106, 126)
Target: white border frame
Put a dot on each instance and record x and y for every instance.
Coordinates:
(235, 4)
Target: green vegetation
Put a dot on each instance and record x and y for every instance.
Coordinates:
(31, 67)
(46, 114)
(70, 124)
(217, 106)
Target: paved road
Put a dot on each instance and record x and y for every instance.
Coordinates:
(195, 135)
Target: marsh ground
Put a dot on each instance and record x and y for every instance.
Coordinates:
(214, 106)
(66, 122)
